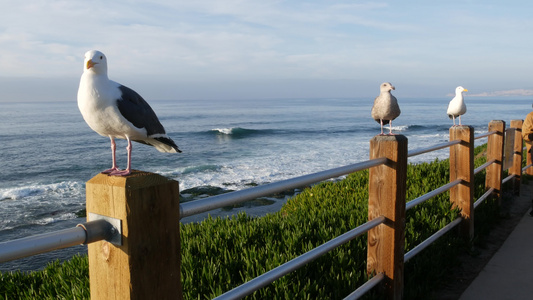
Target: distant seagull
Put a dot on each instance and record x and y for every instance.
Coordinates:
(457, 106)
(116, 111)
(385, 108)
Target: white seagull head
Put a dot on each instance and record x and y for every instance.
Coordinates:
(459, 90)
(386, 87)
(95, 61)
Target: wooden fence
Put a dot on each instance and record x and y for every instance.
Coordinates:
(147, 264)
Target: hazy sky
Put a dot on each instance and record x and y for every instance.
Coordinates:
(267, 49)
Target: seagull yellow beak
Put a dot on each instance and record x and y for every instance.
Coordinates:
(465, 90)
(90, 64)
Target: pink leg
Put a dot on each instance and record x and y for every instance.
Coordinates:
(390, 128)
(460, 121)
(118, 172)
(381, 123)
(114, 167)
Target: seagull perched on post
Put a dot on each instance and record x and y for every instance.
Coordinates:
(116, 111)
(457, 106)
(385, 108)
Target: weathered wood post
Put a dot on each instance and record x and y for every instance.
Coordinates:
(495, 146)
(462, 167)
(387, 188)
(516, 168)
(147, 264)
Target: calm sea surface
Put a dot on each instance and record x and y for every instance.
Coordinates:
(47, 152)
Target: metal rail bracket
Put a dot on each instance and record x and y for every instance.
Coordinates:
(115, 236)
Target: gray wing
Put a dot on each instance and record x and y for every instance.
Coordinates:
(137, 111)
(395, 106)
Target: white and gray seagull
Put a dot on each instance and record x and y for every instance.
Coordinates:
(385, 108)
(457, 106)
(116, 111)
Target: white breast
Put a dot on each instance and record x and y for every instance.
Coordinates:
(97, 98)
(457, 106)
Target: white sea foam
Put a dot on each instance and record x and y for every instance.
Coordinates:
(16, 193)
(40, 204)
(399, 128)
(56, 218)
(224, 130)
(239, 173)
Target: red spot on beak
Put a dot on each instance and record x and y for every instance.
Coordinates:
(90, 64)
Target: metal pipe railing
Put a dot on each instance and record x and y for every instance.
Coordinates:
(431, 239)
(508, 178)
(367, 286)
(270, 276)
(484, 135)
(484, 166)
(203, 205)
(431, 194)
(483, 197)
(41, 243)
(416, 152)
(82, 234)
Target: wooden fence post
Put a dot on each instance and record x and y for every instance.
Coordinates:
(387, 188)
(462, 167)
(147, 264)
(495, 146)
(516, 168)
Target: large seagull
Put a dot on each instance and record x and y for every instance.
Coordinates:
(116, 111)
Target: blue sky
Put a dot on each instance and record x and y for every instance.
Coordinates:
(268, 49)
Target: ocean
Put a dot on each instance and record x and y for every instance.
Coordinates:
(47, 152)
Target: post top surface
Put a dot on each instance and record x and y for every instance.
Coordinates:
(461, 127)
(389, 138)
(136, 178)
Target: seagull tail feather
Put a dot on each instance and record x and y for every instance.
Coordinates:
(165, 144)
(162, 144)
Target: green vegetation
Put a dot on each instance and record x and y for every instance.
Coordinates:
(220, 254)
(69, 280)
